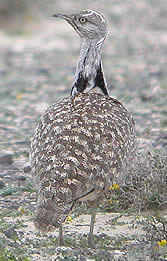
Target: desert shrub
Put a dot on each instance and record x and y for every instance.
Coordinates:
(156, 229)
(144, 185)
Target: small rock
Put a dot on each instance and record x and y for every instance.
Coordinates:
(2, 184)
(102, 235)
(6, 159)
(27, 169)
(146, 98)
(10, 233)
(14, 206)
(20, 179)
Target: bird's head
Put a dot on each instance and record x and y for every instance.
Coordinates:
(88, 24)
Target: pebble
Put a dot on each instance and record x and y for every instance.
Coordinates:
(2, 184)
(27, 169)
(21, 178)
(10, 233)
(6, 159)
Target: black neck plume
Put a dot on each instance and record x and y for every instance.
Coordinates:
(100, 81)
(82, 83)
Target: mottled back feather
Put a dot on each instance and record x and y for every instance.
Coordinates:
(83, 144)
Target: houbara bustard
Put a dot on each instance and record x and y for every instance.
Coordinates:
(85, 142)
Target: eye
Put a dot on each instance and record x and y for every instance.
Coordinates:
(82, 20)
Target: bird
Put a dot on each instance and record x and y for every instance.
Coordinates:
(85, 142)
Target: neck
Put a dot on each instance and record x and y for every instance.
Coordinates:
(89, 75)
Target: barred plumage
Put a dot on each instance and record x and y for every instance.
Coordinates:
(82, 145)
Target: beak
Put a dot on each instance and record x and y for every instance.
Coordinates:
(68, 18)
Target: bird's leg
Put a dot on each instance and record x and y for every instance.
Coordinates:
(61, 242)
(92, 222)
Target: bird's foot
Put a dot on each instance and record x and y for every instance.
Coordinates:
(61, 241)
